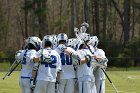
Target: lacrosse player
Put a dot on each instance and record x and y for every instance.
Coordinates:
(84, 69)
(49, 69)
(98, 73)
(26, 56)
(68, 74)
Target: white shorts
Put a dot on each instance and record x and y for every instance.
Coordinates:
(86, 85)
(100, 80)
(66, 86)
(44, 87)
(25, 85)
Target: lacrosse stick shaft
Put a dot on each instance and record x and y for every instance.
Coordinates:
(32, 90)
(14, 68)
(56, 87)
(110, 81)
(9, 69)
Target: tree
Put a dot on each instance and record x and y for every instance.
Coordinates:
(72, 17)
(104, 18)
(126, 21)
(97, 25)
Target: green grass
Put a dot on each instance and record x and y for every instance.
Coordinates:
(125, 82)
(10, 84)
(4, 66)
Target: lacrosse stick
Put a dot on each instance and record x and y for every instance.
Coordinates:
(10, 70)
(79, 36)
(84, 27)
(14, 68)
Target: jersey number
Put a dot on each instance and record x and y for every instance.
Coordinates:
(65, 59)
(52, 64)
(24, 58)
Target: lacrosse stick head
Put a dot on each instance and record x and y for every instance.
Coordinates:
(84, 27)
(76, 29)
(85, 24)
(85, 37)
(71, 42)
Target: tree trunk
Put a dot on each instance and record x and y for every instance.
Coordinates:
(126, 21)
(133, 20)
(72, 18)
(97, 26)
(33, 18)
(60, 26)
(93, 18)
(26, 19)
(42, 19)
(104, 19)
(86, 10)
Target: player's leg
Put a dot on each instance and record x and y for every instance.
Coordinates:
(85, 87)
(97, 79)
(76, 88)
(25, 85)
(100, 81)
(61, 86)
(93, 87)
(51, 87)
(21, 85)
(70, 86)
(41, 86)
(102, 86)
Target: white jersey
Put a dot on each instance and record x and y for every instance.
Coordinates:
(67, 65)
(91, 48)
(99, 52)
(99, 72)
(48, 71)
(84, 69)
(26, 57)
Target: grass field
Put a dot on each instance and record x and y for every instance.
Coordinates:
(125, 82)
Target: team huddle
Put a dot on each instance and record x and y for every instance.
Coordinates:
(59, 65)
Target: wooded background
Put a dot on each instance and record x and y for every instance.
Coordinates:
(115, 22)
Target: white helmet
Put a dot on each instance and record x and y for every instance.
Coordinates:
(54, 41)
(45, 39)
(78, 43)
(35, 41)
(94, 41)
(71, 42)
(85, 37)
(62, 36)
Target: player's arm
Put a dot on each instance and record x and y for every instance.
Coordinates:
(86, 59)
(37, 56)
(59, 70)
(78, 61)
(36, 60)
(58, 75)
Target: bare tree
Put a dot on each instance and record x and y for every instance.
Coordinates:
(126, 21)
(26, 18)
(104, 18)
(41, 8)
(72, 17)
(97, 26)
